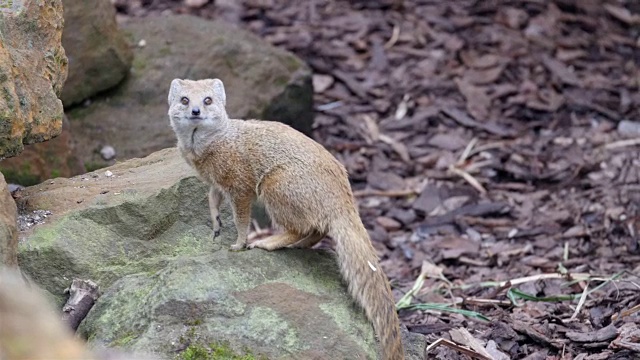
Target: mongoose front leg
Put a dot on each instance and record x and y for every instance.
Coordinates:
(308, 241)
(241, 207)
(277, 241)
(215, 198)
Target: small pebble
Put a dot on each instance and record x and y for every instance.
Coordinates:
(108, 152)
(142, 43)
(406, 217)
(34, 218)
(629, 128)
(108, 173)
(195, 3)
(14, 187)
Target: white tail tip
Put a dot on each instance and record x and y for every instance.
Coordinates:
(371, 266)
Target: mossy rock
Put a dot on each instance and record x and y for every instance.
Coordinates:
(289, 304)
(151, 210)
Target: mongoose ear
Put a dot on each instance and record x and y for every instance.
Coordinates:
(218, 90)
(176, 85)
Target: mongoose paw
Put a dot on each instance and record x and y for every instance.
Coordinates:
(260, 244)
(253, 244)
(217, 224)
(237, 247)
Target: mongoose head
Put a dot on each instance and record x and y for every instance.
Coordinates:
(197, 103)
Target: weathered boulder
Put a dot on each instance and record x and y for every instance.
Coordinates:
(285, 305)
(33, 68)
(261, 81)
(99, 55)
(41, 161)
(141, 230)
(147, 212)
(8, 230)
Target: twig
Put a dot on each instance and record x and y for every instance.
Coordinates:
(580, 302)
(470, 179)
(82, 295)
(467, 150)
(622, 143)
(625, 313)
(484, 302)
(395, 35)
(522, 280)
(477, 165)
(452, 345)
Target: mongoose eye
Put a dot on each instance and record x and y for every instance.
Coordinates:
(207, 101)
(184, 101)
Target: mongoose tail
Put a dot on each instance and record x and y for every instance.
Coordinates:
(367, 283)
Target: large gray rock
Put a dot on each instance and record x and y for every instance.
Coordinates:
(141, 230)
(8, 230)
(33, 68)
(99, 55)
(146, 213)
(283, 305)
(261, 81)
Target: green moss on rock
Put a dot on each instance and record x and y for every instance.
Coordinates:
(215, 351)
(23, 176)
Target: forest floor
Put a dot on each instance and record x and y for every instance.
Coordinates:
(493, 148)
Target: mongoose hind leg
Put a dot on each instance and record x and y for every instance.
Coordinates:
(241, 208)
(308, 241)
(215, 198)
(277, 241)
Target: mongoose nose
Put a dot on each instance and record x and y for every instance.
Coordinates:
(195, 111)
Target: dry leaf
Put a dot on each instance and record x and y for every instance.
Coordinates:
(478, 102)
(403, 107)
(622, 14)
(371, 129)
(483, 76)
(463, 337)
(398, 147)
(470, 59)
(560, 70)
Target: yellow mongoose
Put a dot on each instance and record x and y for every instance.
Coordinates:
(302, 186)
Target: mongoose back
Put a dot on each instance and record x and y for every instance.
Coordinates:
(303, 187)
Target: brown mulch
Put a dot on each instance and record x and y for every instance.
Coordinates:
(487, 141)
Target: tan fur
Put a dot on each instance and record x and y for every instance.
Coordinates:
(303, 187)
